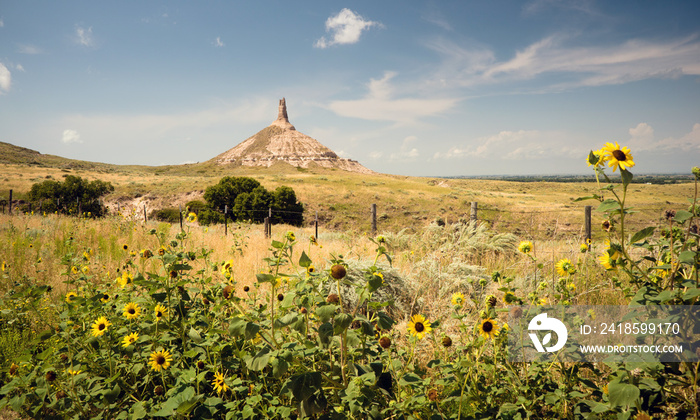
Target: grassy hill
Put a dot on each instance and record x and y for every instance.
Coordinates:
(342, 199)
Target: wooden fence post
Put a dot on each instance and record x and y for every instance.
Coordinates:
(267, 226)
(79, 207)
(316, 226)
(587, 212)
(225, 220)
(472, 215)
(374, 219)
(145, 217)
(10, 208)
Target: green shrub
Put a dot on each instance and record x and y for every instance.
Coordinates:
(168, 214)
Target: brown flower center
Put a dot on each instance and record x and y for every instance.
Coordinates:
(487, 327)
(131, 311)
(619, 155)
(159, 314)
(419, 327)
(160, 360)
(101, 327)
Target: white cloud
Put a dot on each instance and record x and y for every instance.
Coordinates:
(641, 137)
(2, 23)
(629, 61)
(688, 143)
(84, 36)
(5, 79)
(376, 155)
(19, 67)
(517, 145)
(345, 28)
(71, 136)
(218, 42)
(380, 105)
(29, 49)
(406, 153)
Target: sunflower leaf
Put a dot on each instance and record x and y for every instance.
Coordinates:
(644, 233)
(626, 177)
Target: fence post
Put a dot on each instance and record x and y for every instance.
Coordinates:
(225, 220)
(10, 208)
(267, 226)
(145, 217)
(472, 215)
(587, 212)
(374, 219)
(316, 226)
(79, 207)
(179, 207)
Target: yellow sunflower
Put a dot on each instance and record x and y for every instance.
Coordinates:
(130, 339)
(458, 299)
(131, 311)
(419, 326)
(104, 298)
(100, 326)
(4, 266)
(160, 311)
(192, 217)
(599, 158)
(618, 157)
(291, 237)
(525, 247)
(70, 297)
(606, 261)
(160, 360)
(488, 328)
(310, 269)
(219, 384)
(565, 267)
(125, 279)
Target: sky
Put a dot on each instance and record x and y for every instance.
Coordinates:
(421, 88)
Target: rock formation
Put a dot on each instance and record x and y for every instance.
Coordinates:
(281, 142)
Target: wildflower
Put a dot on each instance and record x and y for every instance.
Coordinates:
(385, 342)
(312, 240)
(291, 237)
(218, 383)
(433, 395)
(583, 248)
(159, 312)
(14, 369)
(618, 157)
(160, 360)
(125, 279)
(488, 328)
(130, 339)
(525, 247)
(446, 341)
(381, 239)
(543, 301)
(458, 299)
(3, 266)
(597, 159)
(86, 256)
(509, 297)
(131, 311)
(608, 225)
(159, 390)
(571, 287)
(70, 297)
(310, 269)
(74, 270)
(280, 297)
(333, 298)
(606, 261)
(246, 289)
(100, 326)
(612, 249)
(85, 270)
(104, 298)
(565, 267)
(419, 326)
(201, 365)
(125, 247)
(73, 372)
(146, 253)
(228, 292)
(161, 251)
(192, 217)
(338, 271)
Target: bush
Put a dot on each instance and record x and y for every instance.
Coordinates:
(168, 214)
(73, 196)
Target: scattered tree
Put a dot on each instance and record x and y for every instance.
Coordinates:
(72, 196)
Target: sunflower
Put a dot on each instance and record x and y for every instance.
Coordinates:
(192, 217)
(125, 247)
(131, 311)
(146, 253)
(104, 298)
(85, 270)
(419, 326)
(606, 261)
(565, 267)
(130, 339)
(70, 297)
(125, 279)
(310, 269)
(160, 311)
(458, 299)
(525, 247)
(160, 360)
(312, 240)
(598, 158)
(74, 270)
(618, 157)
(219, 384)
(488, 328)
(583, 248)
(291, 237)
(100, 326)
(4, 266)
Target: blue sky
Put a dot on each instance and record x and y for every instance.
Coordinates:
(413, 88)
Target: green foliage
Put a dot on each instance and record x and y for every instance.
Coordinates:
(168, 214)
(246, 199)
(55, 196)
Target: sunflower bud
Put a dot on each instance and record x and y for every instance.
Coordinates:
(491, 301)
(50, 376)
(333, 298)
(228, 292)
(446, 341)
(338, 271)
(385, 342)
(159, 390)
